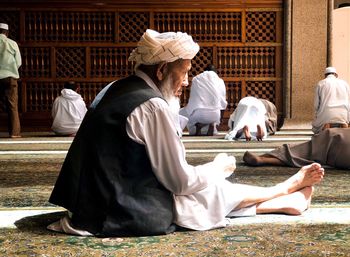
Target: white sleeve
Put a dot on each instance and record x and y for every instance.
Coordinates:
(151, 124)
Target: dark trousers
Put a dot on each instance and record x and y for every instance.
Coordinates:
(9, 93)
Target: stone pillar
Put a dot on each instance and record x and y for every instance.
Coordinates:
(309, 26)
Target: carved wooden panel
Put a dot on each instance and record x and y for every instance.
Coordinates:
(69, 26)
(110, 62)
(203, 26)
(35, 62)
(91, 46)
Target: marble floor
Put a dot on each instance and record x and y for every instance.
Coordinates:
(29, 167)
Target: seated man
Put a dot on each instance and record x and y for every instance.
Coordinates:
(206, 103)
(68, 111)
(330, 147)
(248, 120)
(126, 172)
(331, 103)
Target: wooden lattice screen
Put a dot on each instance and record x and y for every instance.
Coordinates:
(91, 47)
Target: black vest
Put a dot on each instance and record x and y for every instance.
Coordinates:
(106, 180)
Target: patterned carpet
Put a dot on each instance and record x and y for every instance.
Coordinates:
(26, 181)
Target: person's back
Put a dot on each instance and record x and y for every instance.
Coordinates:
(68, 111)
(331, 103)
(207, 99)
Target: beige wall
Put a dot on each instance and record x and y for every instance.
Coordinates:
(308, 58)
(341, 42)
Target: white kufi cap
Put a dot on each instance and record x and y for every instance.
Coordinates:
(4, 26)
(155, 47)
(330, 70)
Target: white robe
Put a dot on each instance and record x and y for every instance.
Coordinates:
(250, 111)
(207, 99)
(203, 198)
(331, 103)
(68, 111)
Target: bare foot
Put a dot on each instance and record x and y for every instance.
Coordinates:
(251, 159)
(246, 132)
(307, 176)
(260, 133)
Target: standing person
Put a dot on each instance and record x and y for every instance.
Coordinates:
(206, 103)
(331, 103)
(10, 61)
(126, 171)
(68, 110)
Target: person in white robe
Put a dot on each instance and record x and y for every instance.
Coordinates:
(206, 102)
(68, 111)
(331, 102)
(203, 197)
(248, 121)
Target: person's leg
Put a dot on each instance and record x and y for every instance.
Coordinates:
(246, 132)
(12, 108)
(307, 176)
(264, 159)
(260, 133)
(293, 204)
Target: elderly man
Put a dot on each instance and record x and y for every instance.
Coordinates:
(10, 61)
(331, 102)
(206, 103)
(126, 173)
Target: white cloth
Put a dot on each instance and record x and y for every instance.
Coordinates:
(207, 99)
(331, 102)
(155, 47)
(250, 111)
(203, 198)
(68, 111)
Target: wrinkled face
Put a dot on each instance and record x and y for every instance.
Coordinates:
(177, 75)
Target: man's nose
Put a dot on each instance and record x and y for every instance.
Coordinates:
(185, 81)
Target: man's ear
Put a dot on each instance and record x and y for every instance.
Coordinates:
(161, 71)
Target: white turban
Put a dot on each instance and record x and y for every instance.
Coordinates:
(155, 47)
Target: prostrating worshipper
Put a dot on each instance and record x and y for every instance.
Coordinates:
(248, 121)
(330, 148)
(331, 102)
(68, 110)
(126, 173)
(206, 103)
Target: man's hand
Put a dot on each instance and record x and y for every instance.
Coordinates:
(225, 163)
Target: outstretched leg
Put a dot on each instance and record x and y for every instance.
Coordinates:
(307, 176)
(294, 204)
(264, 159)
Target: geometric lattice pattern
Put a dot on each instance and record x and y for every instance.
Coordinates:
(35, 62)
(233, 95)
(246, 61)
(91, 45)
(262, 89)
(203, 26)
(69, 26)
(203, 58)
(261, 26)
(70, 62)
(40, 95)
(132, 25)
(9, 17)
(110, 62)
